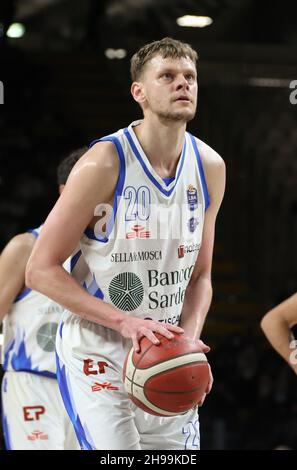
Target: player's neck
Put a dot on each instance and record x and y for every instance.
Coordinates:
(162, 144)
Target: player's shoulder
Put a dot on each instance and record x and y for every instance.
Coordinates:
(20, 245)
(215, 171)
(99, 161)
(210, 157)
(23, 240)
(102, 153)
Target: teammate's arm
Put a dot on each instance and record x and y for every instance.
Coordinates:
(92, 181)
(13, 262)
(277, 324)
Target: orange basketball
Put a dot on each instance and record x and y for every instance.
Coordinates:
(167, 379)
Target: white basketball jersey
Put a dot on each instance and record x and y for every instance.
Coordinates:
(142, 263)
(29, 331)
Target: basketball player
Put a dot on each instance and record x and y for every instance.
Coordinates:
(277, 324)
(142, 203)
(33, 414)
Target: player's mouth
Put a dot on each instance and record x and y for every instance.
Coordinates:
(183, 98)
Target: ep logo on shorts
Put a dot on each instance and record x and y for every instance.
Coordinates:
(1, 93)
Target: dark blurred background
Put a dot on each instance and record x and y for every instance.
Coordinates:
(63, 87)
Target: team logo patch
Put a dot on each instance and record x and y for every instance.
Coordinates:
(126, 291)
(192, 224)
(192, 197)
(46, 336)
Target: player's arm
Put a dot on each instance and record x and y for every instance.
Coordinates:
(13, 262)
(92, 181)
(199, 291)
(277, 324)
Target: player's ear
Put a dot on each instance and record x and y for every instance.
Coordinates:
(138, 92)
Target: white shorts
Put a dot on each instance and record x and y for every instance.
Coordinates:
(89, 370)
(33, 414)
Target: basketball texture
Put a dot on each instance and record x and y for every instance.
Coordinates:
(166, 379)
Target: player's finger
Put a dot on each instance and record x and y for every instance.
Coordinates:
(210, 383)
(175, 329)
(150, 335)
(164, 332)
(203, 346)
(135, 343)
(202, 400)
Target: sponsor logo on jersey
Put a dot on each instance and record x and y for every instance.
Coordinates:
(32, 413)
(138, 231)
(186, 249)
(46, 336)
(52, 309)
(174, 320)
(37, 435)
(126, 291)
(163, 298)
(192, 197)
(135, 256)
(192, 224)
(92, 368)
(98, 386)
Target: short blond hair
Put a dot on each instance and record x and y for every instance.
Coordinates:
(166, 47)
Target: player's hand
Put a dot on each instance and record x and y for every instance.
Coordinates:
(209, 387)
(203, 346)
(137, 328)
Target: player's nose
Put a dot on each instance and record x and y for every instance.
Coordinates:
(181, 82)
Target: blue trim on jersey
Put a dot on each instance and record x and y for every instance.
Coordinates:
(201, 171)
(21, 362)
(118, 190)
(4, 384)
(6, 434)
(93, 289)
(44, 373)
(147, 171)
(61, 329)
(9, 348)
(69, 405)
(74, 260)
(22, 294)
(5, 427)
(168, 180)
(33, 231)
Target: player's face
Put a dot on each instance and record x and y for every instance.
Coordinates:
(170, 87)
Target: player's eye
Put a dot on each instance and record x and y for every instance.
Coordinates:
(166, 76)
(190, 77)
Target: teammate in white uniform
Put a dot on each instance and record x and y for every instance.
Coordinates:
(149, 258)
(33, 414)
